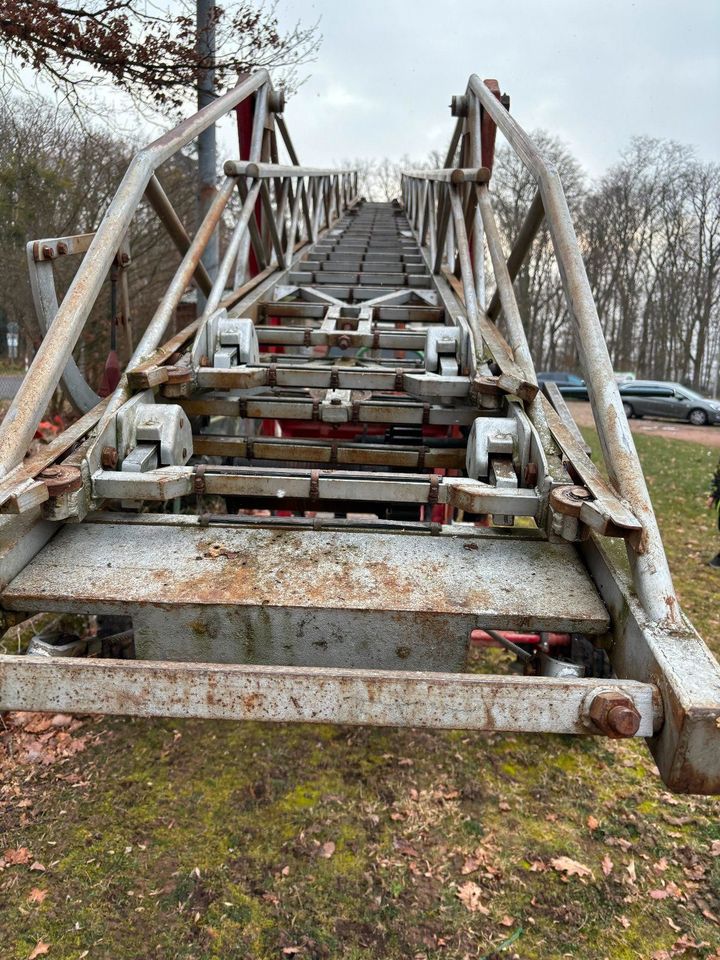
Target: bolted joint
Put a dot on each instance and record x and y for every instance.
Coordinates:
(568, 500)
(614, 714)
(459, 105)
(179, 374)
(60, 479)
(276, 101)
(109, 458)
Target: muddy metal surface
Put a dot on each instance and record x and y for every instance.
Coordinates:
(669, 429)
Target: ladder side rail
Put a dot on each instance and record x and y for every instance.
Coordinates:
(21, 420)
(646, 555)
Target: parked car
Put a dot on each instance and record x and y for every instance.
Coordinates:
(655, 398)
(570, 385)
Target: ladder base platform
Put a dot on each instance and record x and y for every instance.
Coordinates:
(311, 598)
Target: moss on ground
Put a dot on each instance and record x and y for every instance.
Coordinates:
(200, 840)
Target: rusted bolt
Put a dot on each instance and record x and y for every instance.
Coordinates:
(109, 458)
(48, 252)
(343, 342)
(569, 500)
(179, 374)
(615, 715)
(204, 361)
(62, 249)
(60, 479)
(124, 259)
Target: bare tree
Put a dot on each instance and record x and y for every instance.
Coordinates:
(539, 291)
(143, 49)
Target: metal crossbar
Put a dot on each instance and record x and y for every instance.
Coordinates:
(315, 498)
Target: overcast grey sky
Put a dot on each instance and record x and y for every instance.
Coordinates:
(594, 72)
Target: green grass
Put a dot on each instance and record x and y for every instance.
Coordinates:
(203, 840)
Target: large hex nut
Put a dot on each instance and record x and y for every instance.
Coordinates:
(614, 714)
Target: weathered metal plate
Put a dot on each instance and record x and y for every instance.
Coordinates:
(281, 596)
(286, 694)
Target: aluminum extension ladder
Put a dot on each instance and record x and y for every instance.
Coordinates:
(310, 500)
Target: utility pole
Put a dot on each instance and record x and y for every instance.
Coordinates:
(207, 155)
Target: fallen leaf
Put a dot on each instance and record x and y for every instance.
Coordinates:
(507, 921)
(631, 871)
(470, 866)
(19, 855)
(61, 720)
(571, 867)
(469, 894)
(504, 806)
(592, 823)
(685, 942)
(291, 951)
(618, 842)
(607, 865)
(623, 921)
(669, 890)
(658, 894)
(327, 849)
(38, 867)
(402, 846)
(36, 895)
(715, 848)
(39, 951)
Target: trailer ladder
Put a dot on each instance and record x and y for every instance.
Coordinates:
(311, 502)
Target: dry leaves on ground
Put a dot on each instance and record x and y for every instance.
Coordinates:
(572, 868)
(40, 950)
(470, 895)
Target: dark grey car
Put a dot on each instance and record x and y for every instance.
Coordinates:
(655, 398)
(570, 385)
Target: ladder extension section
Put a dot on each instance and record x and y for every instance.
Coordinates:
(323, 498)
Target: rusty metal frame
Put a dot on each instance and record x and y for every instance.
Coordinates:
(653, 641)
(369, 280)
(463, 191)
(314, 695)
